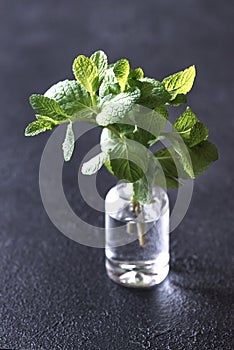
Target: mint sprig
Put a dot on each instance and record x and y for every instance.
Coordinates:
(132, 111)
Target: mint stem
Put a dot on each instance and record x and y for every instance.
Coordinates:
(93, 100)
(130, 228)
(114, 131)
(137, 208)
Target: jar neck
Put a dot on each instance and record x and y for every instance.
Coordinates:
(125, 191)
(119, 201)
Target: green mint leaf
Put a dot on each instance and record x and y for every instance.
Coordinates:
(109, 84)
(143, 187)
(39, 126)
(148, 125)
(190, 128)
(86, 72)
(121, 71)
(184, 158)
(116, 109)
(69, 143)
(162, 110)
(141, 191)
(94, 164)
(136, 74)
(198, 133)
(179, 100)
(47, 107)
(70, 96)
(170, 171)
(181, 82)
(186, 121)
(202, 156)
(182, 154)
(167, 158)
(127, 158)
(99, 58)
(153, 93)
(125, 169)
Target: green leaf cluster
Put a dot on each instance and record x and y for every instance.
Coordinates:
(132, 111)
(190, 153)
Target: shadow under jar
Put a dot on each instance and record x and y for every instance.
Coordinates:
(137, 240)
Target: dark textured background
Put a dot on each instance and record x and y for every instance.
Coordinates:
(54, 292)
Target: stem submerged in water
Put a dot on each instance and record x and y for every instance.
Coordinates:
(137, 208)
(140, 230)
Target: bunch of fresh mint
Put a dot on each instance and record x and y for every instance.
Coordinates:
(132, 110)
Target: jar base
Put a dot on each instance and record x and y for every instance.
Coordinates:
(136, 274)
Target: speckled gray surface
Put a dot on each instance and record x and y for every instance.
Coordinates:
(54, 292)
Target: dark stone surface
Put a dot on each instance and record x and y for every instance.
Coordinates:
(54, 292)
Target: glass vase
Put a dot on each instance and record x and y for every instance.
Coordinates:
(137, 237)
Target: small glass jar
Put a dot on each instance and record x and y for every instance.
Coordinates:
(137, 240)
